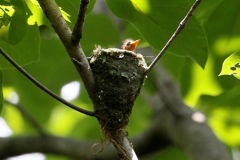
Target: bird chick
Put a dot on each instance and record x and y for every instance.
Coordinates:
(130, 44)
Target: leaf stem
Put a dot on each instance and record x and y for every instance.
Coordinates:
(42, 87)
(180, 27)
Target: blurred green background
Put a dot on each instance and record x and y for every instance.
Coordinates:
(194, 61)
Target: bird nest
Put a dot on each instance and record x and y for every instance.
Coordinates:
(119, 76)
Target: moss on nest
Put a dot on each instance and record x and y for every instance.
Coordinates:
(118, 75)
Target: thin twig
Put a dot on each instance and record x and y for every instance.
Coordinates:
(180, 27)
(42, 87)
(78, 28)
(30, 119)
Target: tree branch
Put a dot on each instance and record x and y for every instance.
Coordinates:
(48, 144)
(42, 87)
(74, 50)
(146, 144)
(180, 27)
(78, 28)
(14, 146)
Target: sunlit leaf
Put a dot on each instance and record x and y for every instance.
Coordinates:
(231, 65)
(37, 15)
(16, 19)
(157, 22)
(65, 14)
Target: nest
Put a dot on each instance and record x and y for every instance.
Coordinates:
(119, 76)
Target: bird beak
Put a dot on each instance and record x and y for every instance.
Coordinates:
(135, 43)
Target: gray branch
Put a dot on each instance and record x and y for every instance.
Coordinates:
(48, 144)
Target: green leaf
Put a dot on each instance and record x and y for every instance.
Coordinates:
(231, 65)
(24, 52)
(221, 20)
(1, 93)
(157, 20)
(16, 29)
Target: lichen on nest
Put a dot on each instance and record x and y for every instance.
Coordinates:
(119, 76)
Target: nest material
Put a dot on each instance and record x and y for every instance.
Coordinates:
(119, 76)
